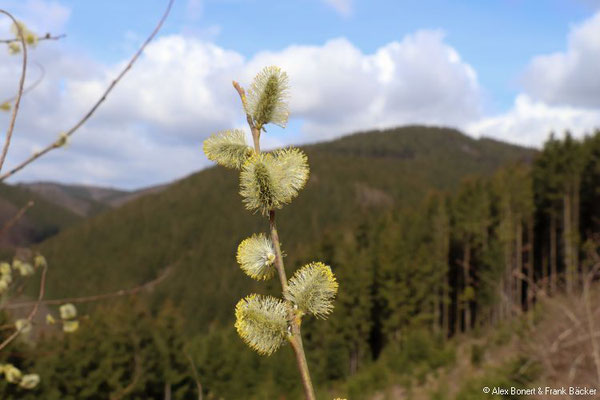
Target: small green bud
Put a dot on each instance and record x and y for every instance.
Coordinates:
(62, 140)
(67, 311)
(6, 106)
(14, 48)
(30, 381)
(23, 326)
(40, 261)
(5, 268)
(70, 326)
(12, 373)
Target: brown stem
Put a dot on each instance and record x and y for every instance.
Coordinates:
(33, 311)
(293, 317)
(255, 130)
(87, 299)
(47, 36)
(15, 111)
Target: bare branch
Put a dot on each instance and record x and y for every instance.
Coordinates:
(11, 222)
(196, 378)
(15, 111)
(89, 299)
(47, 36)
(30, 87)
(87, 116)
(33, 311)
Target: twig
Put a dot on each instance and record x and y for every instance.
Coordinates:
(30, 87)
(253, 128)
(32, 313)
(88, 299)
(137, 372)
(15, 111)
(296, 337)
(87, 116)
(196, 378)
(47, 36)
(11, 222)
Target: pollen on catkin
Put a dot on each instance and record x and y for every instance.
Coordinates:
(294, 164)
(261, 321)
(260, 184)
(256, 257)
(228, 148)
(313, 288)
(269, 181)
(266, 100)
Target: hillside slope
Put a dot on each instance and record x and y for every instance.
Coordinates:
(41, 221)
(86, 200)
(198, 222)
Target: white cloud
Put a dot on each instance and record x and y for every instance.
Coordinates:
(336, 89)
(151, 127)
(530, 122)
(343, 7)
(40, 16)
(561, 93)
(570, 77)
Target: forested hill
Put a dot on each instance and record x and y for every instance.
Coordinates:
(41, 221)
(197, 223)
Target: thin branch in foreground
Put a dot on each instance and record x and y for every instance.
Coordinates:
(88, 299)
(15, 111)
(33, 311)
(196, 377)
(11, 222)
(60, 142)
(47, 36)
(30, 87)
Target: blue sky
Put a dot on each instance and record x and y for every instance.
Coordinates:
(508, 69)
(497, 37)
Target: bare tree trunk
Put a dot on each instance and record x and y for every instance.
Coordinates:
(457, 311)
(553, 261)
(575, 234)
(508, 281)
(530, 263)
(446, 306)
(519, 266)
(467, 278)
(567, 242)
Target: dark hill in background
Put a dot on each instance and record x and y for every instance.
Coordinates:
(85, 200)
(41, 221)
(197, 223)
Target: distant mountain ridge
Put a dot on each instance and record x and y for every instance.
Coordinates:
(195, 224)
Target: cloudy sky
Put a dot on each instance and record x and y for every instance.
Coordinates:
(508, 69)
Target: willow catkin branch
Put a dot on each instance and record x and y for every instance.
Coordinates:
(33, 311)
(102, 98)
(15, 111)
